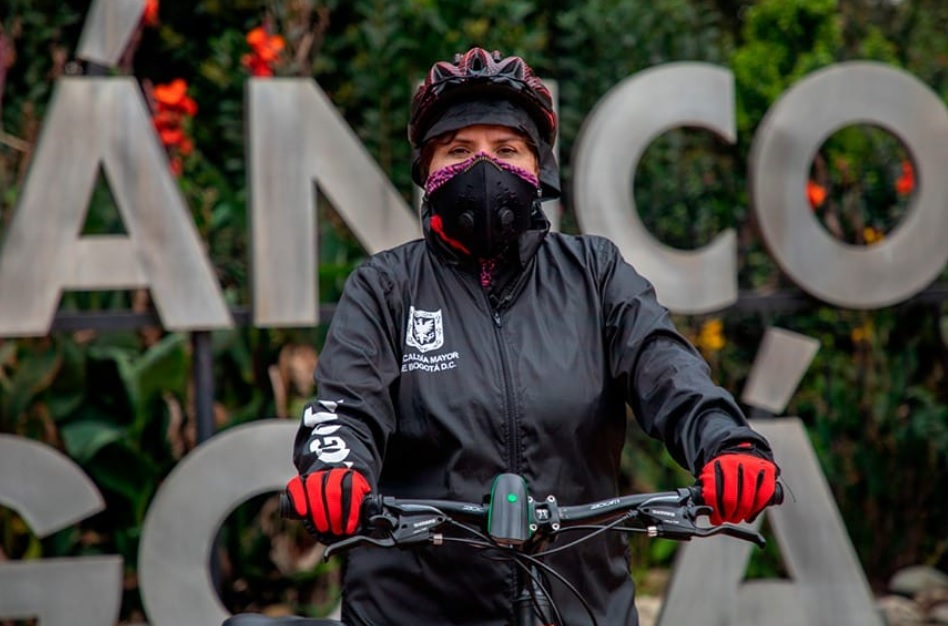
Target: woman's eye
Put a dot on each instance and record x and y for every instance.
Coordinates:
(457, 151)
(507, 151)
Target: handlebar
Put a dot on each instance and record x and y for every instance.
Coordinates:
(513, 518)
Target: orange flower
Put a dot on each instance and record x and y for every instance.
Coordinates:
(173, 107)
(185, 146)
(267, 47)
(173, 96)
(906, 182)
(171, 136)
(266, 51)
(166, 119)
(150, 16)
(815, 193)
(256, 65)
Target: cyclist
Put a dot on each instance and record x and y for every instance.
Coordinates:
(494, 345)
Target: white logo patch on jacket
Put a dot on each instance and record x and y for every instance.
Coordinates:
(425, 330)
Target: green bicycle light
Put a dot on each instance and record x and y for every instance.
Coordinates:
(508, 519)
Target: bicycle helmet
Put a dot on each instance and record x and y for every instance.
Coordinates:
(480, 87)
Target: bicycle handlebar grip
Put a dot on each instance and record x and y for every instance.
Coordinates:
(775, 500)
(370, 506)
(286, 507)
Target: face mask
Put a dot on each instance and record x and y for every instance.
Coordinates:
(481, 206)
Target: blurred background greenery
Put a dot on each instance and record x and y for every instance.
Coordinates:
(121, 404)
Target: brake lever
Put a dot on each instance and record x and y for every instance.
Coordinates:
(730, 530)
(349, 542)
(402, 530)
(679, 524)
(673, 522)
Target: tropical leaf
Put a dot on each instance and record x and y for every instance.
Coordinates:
(84, 439)
(164, 367)
(35, 371)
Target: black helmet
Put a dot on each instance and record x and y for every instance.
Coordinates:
(479, 87)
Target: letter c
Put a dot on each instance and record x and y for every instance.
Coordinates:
(613, 139)
(191, 505)
(51, 492)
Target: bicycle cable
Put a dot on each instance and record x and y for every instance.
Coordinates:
(505, 554)
(546, 592)
(599, 529)
(549, 570)
(516, 557)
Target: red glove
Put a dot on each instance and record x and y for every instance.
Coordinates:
(330, 499)
(737, 486)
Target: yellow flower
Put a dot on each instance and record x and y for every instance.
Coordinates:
(872, 235)
(711, 336)
(862, 334)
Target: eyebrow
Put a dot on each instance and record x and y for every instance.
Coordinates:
(501, 139)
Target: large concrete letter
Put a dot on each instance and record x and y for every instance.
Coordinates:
(51, 492)
(612, 142)
(913, 254)
(107, 30)
(189, 508)
(92, 121)
(296, 138)
(783, 357)
(827, 586)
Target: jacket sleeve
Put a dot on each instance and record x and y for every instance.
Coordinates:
(667, 382)
(352, 416)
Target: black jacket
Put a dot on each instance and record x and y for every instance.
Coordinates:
(431, 388)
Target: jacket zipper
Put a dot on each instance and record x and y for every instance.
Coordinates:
(513, 429)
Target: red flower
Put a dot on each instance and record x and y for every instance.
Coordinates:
(174, 106)
(177, 167)
(266, 51)
(173, 96)
(267, 47)
(150, 16)
(171, 137)
(185, 146)
(256, 65)
(166, 119)
(906, 182)
(815, 193)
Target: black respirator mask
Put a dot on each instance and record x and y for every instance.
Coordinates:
(481, 207)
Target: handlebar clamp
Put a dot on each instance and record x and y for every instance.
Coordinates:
(546, 514)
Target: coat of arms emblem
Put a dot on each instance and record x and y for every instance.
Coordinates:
(425, 330)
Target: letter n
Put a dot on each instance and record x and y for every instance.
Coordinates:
(93, 121)
(297, 140)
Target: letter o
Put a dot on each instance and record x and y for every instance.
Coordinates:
(846, 275)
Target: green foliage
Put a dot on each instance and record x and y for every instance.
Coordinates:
(784, 41)
(875, 416)
(120, 405)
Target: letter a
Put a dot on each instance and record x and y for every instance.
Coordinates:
(827, 586)
(93, 121)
